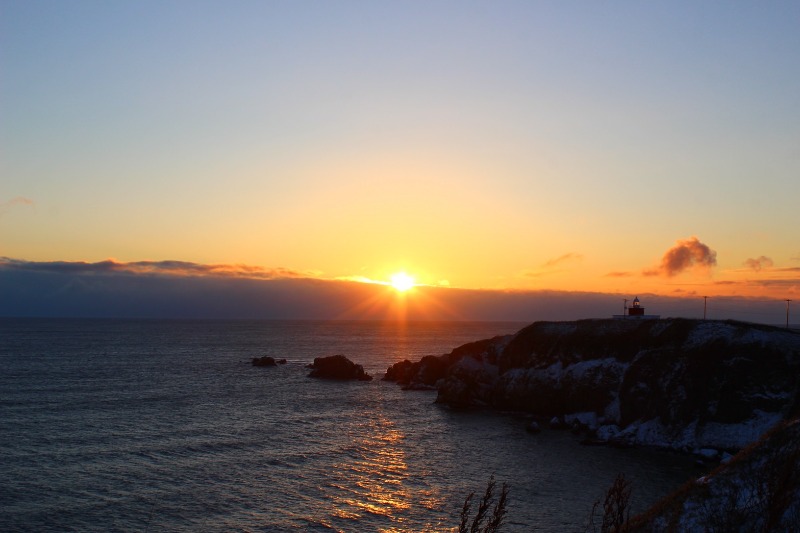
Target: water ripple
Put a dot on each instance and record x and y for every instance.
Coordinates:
(165, 426)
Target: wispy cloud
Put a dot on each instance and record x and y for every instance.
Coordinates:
(789, 285)
(360, 279)
(553, 266)
(167, 268)
(758, 263)
(5, 207)
(687, 254)
(566, 258)
(776, 283)
(619, 274)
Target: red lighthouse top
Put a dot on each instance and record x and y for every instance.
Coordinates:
(636, 309)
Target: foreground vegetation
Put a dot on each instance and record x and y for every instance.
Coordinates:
(613, 518)
(483, 522)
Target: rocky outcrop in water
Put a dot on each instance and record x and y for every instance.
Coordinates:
(426, 373)
(267, 361)
(337, 367)
(677, 383)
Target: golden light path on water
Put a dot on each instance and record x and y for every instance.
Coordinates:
(377, 476)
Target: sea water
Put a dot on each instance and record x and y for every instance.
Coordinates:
(125, 425)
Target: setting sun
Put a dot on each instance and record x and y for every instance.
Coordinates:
(402, 281)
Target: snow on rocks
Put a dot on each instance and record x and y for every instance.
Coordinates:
(676, 383)
(707, 453)
(756, 490)
(586, 420)
(738, 435)
(607, 433)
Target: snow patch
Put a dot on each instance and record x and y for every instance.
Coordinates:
(721, 436)
(580, 370)
(588, 419)
(706, 331)
(647, 433)
(607, 432)
(707, 453)
(612, 411)
(554, 371)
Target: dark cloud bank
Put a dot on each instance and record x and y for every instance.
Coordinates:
(152, 290)
(40, 294)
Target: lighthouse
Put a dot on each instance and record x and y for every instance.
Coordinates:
(636, 311)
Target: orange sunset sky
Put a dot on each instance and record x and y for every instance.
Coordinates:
(615, 147)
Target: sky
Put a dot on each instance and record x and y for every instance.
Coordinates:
(614, 148)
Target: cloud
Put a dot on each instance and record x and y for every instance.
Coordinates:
(552, 266)
(784, 282)
(158, 268)
(66, 294)
(5, 207)
(686, 254)
(152, 289)
(619, 274)
(563, 259)
(359, 279)
(758, 263)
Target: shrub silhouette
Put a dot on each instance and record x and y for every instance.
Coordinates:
(498, 511)
(616, 508)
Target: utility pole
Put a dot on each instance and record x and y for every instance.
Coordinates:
(624, 306)
(787, 313)
(705, 305)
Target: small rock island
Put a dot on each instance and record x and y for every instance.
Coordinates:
(337, 367)
(267, 361)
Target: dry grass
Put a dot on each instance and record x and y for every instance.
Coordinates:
(483, 522)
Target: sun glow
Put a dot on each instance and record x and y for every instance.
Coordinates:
(402, 281)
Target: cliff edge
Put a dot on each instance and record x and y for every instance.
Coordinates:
(757, 490)
(692, 385)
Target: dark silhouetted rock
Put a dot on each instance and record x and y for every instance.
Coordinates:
(281, 361)
(264, 361)
(337, 367)
(426, 373)
(400, 372)
(422, 375)
(677, 383)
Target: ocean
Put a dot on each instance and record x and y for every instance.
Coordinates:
(164, 425)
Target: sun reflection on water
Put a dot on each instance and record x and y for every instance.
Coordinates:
(374, 475)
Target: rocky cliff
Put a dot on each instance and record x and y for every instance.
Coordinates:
(757, 490)
(703, 386)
